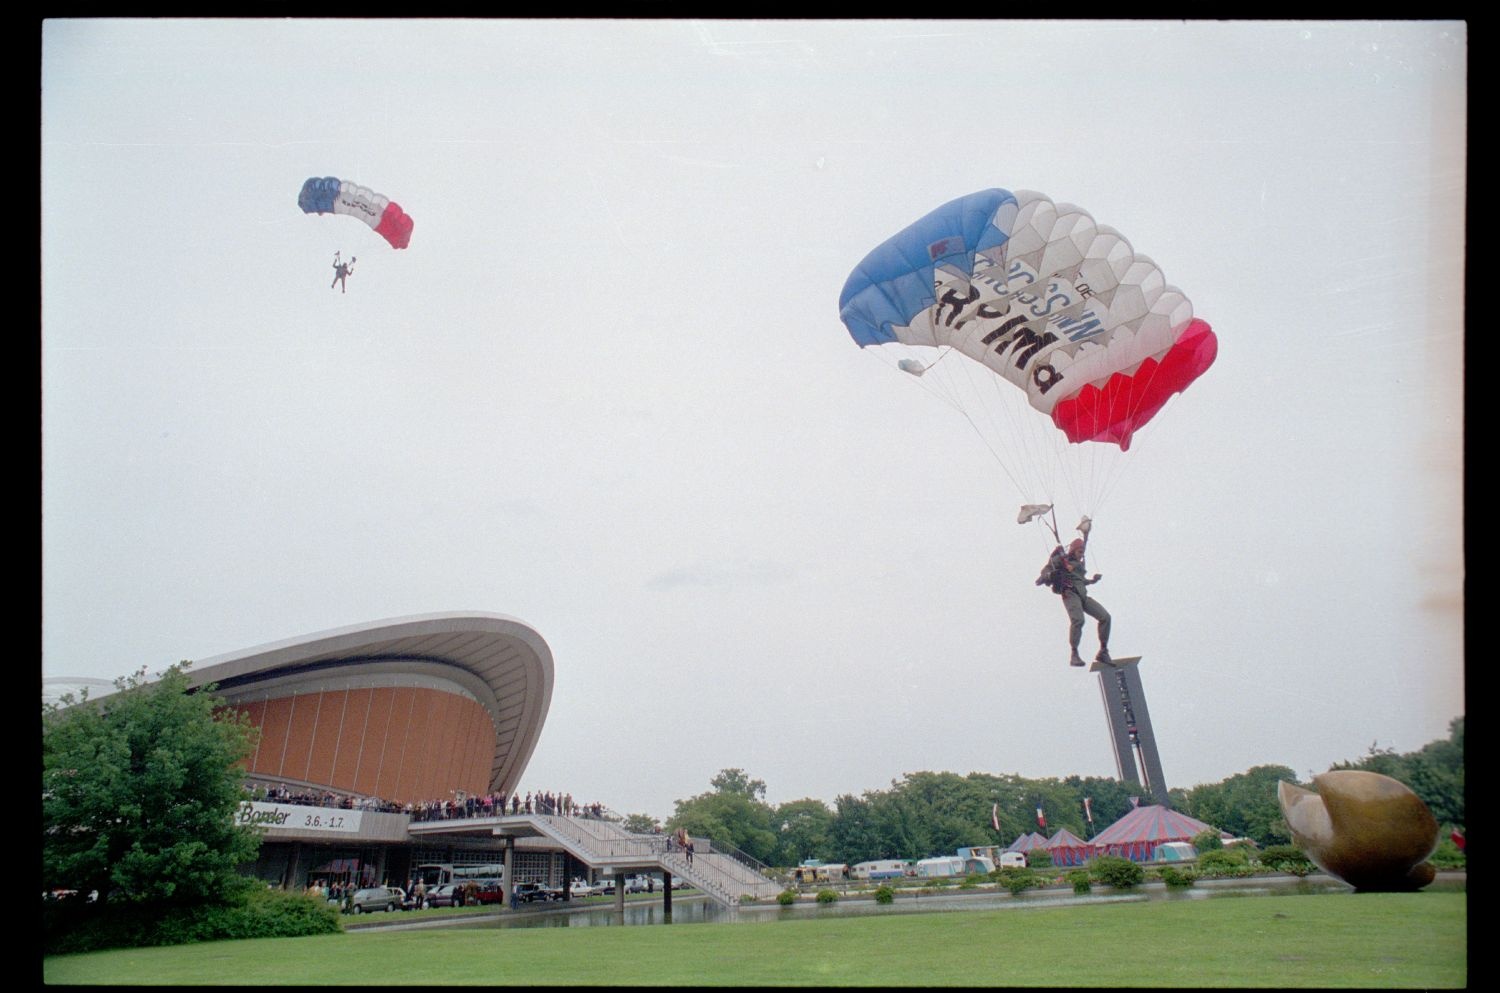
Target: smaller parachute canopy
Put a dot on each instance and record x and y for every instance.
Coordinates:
(329, 195)
(912, 366)
(1031, 511)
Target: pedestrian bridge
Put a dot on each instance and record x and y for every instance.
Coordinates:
(724, 876)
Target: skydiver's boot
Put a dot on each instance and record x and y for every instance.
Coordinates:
(1075, 660)
(1103, 657)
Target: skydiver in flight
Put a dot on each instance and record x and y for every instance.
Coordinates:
(341, 271)
(1065, 574)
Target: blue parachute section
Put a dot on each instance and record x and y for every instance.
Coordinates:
(318, 195)
(895, 281)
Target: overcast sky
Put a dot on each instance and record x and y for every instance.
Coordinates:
(606, 390)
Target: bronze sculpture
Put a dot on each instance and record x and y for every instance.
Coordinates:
(1369, 830)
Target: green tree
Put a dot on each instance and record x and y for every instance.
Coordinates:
(1244, 805)
(641, 824)
(853, 833)
(1207, 841)
(734, 782)
(139, 792)
(805, 832)
(1435, 772)
(733, 814)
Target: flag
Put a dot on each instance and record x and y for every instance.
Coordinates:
(995, 816)
(1041, 818)
(1088, 809)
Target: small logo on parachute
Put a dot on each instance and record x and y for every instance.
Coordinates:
(947, 246)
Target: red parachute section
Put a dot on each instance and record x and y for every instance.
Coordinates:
(1112, 413)
(395, 226)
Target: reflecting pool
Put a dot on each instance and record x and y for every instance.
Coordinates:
(698, 909)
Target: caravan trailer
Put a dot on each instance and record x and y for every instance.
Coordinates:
(831, 872)
(879, 869)
(978, 864)
(942, 865)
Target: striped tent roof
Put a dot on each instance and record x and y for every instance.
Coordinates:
(1026, 842)
(1065, 839)
(1136, 835)
(1069, 849)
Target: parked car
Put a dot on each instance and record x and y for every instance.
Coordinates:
(374, 898)
(533, 892)
(488, 891)
(635, 884)
(581, 888)
(447, 895)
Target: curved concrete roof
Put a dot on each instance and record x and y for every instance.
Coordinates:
(497, 660)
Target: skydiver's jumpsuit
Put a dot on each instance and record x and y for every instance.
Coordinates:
(340, 273)
(1077, 602)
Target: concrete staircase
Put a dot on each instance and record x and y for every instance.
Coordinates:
(720, 875)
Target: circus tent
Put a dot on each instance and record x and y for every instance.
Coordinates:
(1069, 849)
(1136, 835)
(1026, 842)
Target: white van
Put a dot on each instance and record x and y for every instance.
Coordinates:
(1012, 860)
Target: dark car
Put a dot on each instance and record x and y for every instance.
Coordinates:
(443, 896)
(534, 892)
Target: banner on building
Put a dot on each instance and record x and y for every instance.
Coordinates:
(292, 817)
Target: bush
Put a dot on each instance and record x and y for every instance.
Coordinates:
(1224, 862)
(884, 894)
(1039, 858)
(827, 896)
(1111, 870)
(1207, 841)
(1447, 856)
(969, 883)
(1286, 858)
(1177, 878)
(1080, 880)
(1019, 880)
(72, 926)
(787, 897)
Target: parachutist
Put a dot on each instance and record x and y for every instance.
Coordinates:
(1067, 576)
(341, 271)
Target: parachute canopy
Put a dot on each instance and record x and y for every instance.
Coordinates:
(327, 195)
(1041, 295)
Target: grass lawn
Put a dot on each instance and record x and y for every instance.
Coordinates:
(1409, 940)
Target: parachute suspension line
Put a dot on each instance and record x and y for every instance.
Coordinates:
(1019, 438)
(943, 389)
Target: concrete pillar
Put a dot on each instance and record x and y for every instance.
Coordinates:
(510, 875)
(293, 881)
(666, 891)
(620, 892)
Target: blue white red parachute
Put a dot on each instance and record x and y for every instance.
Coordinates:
(328, 195)
(1042, 296)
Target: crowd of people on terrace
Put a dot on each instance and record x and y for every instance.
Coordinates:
(454, 808)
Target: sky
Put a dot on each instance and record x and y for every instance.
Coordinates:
(606, 390)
